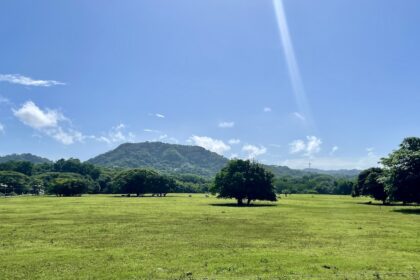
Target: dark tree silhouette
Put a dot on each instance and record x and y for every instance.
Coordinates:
(243, 179)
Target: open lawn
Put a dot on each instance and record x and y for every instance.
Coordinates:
(182, 237)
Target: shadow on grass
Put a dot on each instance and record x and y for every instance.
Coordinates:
(381, 204)
(242, 206)
(147, 196)
(412, 211)
(385, 205)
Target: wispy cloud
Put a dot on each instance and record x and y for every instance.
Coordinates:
(161, 116)
(1, 128)
(370, 152)
(254, 151)
(226, 124)
(27, 81)
(214, 145)
(49, 122)
(299, 116)
(151, 130)
(166, 138)
(234, 141)
(311, 146)
(267, 109)
(4, 100)
(117, 134)
(333, 150)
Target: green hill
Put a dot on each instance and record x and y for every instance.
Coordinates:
(163, 157)
(186, 159)
(24, 157)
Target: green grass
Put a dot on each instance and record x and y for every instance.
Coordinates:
(182, 237)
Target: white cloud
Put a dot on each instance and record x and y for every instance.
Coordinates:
(151, 130)
(267, 110)
(333, 150)
(299, 116)
(214, 145)
(254, 151)
(31, 115)
(49, 122)
(226, 124)
(66, 137)
(234, 141)
(117, 135)
(1, 128)
(313, 145)
(233, 156)
(160, 115)
(310, 147)
(297, 146)
(370, 152)
(27, 81)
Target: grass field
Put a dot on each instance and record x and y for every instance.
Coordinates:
(182, 237)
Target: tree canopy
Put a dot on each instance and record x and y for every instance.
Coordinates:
(369, 183)
(142, 181)
(243, 179)
(402, 172)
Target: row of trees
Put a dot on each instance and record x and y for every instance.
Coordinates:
(399, 177)
(314, 184)
(72, 177)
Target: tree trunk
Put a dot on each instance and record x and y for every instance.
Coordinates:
(248, 202)
(240, 203)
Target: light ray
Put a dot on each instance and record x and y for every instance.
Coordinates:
(292, 65)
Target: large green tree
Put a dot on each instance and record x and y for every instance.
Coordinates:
(140, 181)
(66, 183)
(369, 183)
(14, 182)
(243, 179)
(402, 172)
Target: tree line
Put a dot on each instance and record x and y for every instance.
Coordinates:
(72, 178)
(397, 180)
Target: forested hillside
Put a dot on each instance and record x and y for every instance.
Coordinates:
(24, 157)
(164, 157)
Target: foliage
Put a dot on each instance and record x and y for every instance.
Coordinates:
(142, 181)
(369, 184)
(163, 157)
(243, 179)
(69, 186)
(14, 182)
(75, 166)
(24, 157)
(313, 183)
(24, 167)
(66, 183)
(402, 172)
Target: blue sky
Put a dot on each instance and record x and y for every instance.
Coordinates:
(331, 82)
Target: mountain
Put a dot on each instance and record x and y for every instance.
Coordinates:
(163, 157)
(187, 159)
(335, 173)
(24, 157)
